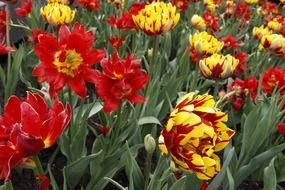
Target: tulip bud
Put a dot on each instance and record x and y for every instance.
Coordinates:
(149, 144)
(198, 22)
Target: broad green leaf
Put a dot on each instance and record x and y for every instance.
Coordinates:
(179, 185)
(255, 163)
(231, 181)
(76, 170)
(192, 182)
(149, 120)
(269, 177)
(134, 173)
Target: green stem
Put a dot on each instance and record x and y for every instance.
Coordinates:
(52, 158)
(20, 26)
(216, 90)
(194, 80)
(155, 49)
(39, 169)
(147, 170)
(8, 42)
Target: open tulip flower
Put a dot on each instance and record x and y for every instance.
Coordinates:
(157, 18)
(28, 126)
(67, 60)
(120, 79)
(194, 132)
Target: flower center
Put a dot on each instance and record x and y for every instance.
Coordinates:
(67, 62)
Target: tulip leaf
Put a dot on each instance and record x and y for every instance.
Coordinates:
(154, 183)
(230, 179)
(52, 179)
(193, 182)
(255, 163)
(2, 75)
(269, 177)
(149, 120)
(74, 171)
(7, 186)
(179, 184)
(133, 171)
(217, 181)
(115, 183)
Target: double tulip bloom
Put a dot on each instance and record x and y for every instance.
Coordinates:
(57, 13)
(156, 18)
(202, 43)
(218, 66)
(274, 43)
(194, 132)
(27, 127)
(67, 60)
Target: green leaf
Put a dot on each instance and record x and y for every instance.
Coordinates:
(52, 179)
(193, 182)
(134, 173)
(230, 179)
(96, 107)
(115, 183)
(2, 75)
(280, 169)
(149, 120)
(269, 177)
(7, 186)
(154, 183)
(179, 185)
(255, 163)
(217, 181)
(76, 170)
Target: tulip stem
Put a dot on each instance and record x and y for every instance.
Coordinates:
(39, 169)
(216, 90)
(8, 42)
(147, 170)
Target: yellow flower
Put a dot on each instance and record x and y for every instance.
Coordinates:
(67, 2)
(260, 31)
(204, 43)
(157, 18)
(198, 22)
(218, 66)
(210, 5)
(252, 2)
(274, 43)
(274, 25)
(57, 14)
(194, 132)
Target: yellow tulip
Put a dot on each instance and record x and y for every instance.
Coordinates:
(204, 43)
(157, 18)
(218, 66)
(57, 14)
(194, 132)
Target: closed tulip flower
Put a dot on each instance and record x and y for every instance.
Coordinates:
(218, 66)
(157, 18)
(57, 14)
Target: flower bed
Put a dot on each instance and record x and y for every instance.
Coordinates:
(149, 95)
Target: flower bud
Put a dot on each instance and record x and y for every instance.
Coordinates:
(149, 144)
